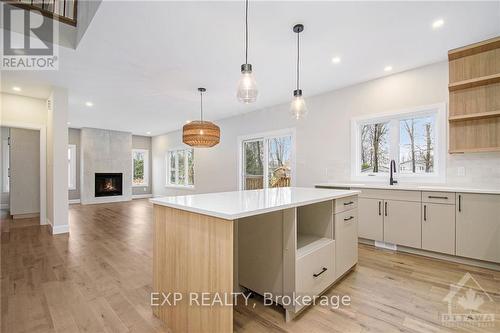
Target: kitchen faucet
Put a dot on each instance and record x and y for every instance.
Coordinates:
(393, 170)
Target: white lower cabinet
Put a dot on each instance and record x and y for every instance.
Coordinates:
(438, 228)
(478, 226)
(402, 223)
(371, 219)
(346, 241)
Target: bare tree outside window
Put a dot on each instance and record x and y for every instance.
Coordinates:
(416, 145)
(374, 148)
(279, 167)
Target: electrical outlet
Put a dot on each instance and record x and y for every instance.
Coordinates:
(461, 171)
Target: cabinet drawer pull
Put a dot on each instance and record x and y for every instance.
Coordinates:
(380, 208)
(348, 203)
(348, 218)
(459, 203)
(437, 197)
(322, 271)
(386, 208)
(425, 212)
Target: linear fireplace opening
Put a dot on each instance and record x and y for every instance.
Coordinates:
(108, 184)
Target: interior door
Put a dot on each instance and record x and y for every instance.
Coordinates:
(402, 223)
(24, 171)
(371, 219)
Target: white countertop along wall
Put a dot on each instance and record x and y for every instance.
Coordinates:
(411, 187)
(239, 204)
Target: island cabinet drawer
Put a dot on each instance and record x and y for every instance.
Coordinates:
(439, 197)
(343, 204)
(316, 270)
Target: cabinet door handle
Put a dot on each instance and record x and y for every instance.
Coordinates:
(425, 212)
(322, 271)
(437, 197)
(385, 208)
(348, 203)
(349, 218)
(380, 208)
(459, 203)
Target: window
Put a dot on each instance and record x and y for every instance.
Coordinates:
(180, 167)
(267, 160)
(140, 167)
(414, 139)
(72, 167)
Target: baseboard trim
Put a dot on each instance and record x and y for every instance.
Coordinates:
(141, 196)
(4, 206)
(439, 256)
(74, 201)
(25, 216)
(59, 229)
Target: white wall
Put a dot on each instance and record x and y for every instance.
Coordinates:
(57, 161)
(323, 139)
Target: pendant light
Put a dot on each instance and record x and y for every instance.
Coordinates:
(201, 133)
(247, 86)
(298, 107)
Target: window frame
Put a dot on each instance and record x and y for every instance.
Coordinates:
(440, 143)
(186, 169)
(72, 167)
(146, 167)
(266, 136)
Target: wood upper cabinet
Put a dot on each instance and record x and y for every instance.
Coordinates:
(474, 86)
(402, 223)
(371, 218)
(438, 227)
(478, 226)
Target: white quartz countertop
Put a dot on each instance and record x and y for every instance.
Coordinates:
(239, 204)
(412, 187)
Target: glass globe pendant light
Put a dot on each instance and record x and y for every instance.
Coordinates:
(247, 86)
(298, 107)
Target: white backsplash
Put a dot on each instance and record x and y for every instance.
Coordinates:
(481, 169)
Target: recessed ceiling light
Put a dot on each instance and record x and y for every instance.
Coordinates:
(388, 68)
(336, 60)
(16, 88)
(89, 104)
(437, 24)
(148, 133)
(69, 123)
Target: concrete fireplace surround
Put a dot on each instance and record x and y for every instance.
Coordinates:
(104, 151)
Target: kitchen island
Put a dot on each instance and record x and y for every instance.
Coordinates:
(284, 241)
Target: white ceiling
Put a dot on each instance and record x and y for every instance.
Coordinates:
(141, 62)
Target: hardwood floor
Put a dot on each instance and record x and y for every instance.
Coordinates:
(98, 279)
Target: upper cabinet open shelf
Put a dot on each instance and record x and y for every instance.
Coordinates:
(474, 86)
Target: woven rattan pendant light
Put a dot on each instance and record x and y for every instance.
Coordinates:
(201, 133)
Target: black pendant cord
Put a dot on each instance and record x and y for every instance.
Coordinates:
(201, 106)
(298, 58)
(246, 33)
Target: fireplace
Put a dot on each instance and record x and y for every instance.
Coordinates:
(108, 184)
